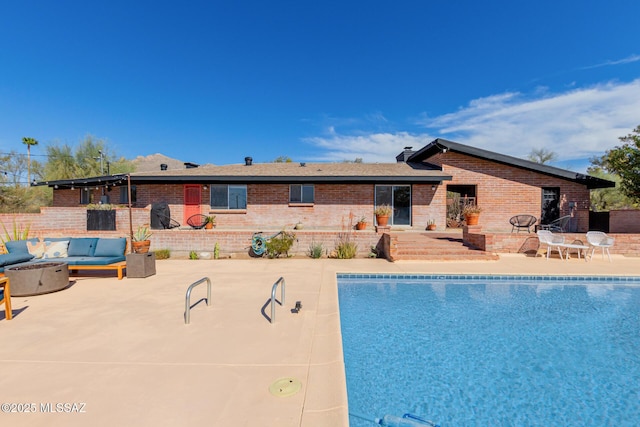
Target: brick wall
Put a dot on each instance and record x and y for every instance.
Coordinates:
(268, 205)
(504, 191)
(625, 244)
(624, 221)
(71, 222)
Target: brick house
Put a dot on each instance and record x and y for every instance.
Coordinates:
(419, 186)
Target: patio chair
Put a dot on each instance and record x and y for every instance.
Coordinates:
(553, 241)
(5, 297)
(520, 222)
(560, 225)
(197, 221)
(167, 222)
(598, 239)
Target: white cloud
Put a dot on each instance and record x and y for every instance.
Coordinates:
(375, 147)
(577, 124)
(629, 59)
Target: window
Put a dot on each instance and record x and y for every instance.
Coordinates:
(301, 193)
(124, 194)
(229, 197)
(85, 196)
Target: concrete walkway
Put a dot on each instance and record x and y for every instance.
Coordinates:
(121, 352)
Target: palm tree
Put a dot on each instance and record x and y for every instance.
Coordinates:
(29, 142)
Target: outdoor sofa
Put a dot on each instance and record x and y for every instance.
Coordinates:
(79, 253)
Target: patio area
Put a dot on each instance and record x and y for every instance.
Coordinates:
(122, 353)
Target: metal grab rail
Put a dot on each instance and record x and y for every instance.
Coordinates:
(273, 297)
(187, 302)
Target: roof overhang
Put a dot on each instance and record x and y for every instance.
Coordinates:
(442, 146)
(117, 180)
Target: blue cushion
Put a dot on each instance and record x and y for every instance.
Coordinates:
(14, 258)
(110, 247)
(103, 260)
(56, 239)
(82, 246)
(18, 246)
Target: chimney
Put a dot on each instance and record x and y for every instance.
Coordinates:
(163, 166)
(248, 161)
(404, 156)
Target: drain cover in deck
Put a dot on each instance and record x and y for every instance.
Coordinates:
(285, 387)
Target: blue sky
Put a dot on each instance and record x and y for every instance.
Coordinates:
(213, 82)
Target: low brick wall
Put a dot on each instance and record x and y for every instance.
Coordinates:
(625, 244)
(71, 222)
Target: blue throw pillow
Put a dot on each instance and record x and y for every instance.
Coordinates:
(110, 247)
(18, 246)
(7, 260)
(82, 246)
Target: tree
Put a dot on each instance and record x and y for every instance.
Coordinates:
(605, 199)
(282, 159)
(624, 161)
(29, 142)
(91, 158)
(541, 155)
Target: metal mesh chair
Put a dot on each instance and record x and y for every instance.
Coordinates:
(519, 222)
(598, 239)
(559, 225)
(197, 221)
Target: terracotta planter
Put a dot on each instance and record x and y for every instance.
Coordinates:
(431, 227)
(382, 220)
(361, 225)
(208, 226)
(472, 218)
(141, 247)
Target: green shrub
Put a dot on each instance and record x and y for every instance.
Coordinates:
(216, 251)
(193, 255)
(315, 250)
(346, 249)
(163, 254)
(280, 244)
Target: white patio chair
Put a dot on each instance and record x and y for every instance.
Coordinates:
(553, 241)
(598, 239)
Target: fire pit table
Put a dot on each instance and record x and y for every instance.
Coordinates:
(36, 279)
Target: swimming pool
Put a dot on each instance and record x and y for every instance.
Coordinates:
(492, 350)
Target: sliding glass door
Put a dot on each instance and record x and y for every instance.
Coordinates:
(399, 198)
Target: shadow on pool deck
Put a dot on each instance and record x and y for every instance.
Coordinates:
(123, 350)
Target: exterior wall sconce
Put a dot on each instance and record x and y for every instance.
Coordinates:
(433, 188)
(204, 187)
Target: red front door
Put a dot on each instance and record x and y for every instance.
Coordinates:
(191, 201)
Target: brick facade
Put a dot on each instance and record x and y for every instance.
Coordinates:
(268, 205)
(504, 191)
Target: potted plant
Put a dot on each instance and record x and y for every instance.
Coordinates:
(140, 240)
(361, 224)
(382, 214)
(211, 222)
(471, 214)
(431, 225)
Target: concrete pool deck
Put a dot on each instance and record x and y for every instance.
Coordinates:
(121, 352)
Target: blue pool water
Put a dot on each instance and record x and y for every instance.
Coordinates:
(488, 352)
